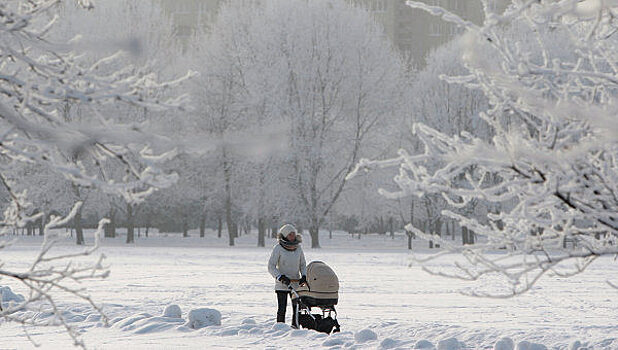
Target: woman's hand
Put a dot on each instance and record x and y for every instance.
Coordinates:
(284, 279)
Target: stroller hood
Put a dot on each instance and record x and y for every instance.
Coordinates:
(322, 282)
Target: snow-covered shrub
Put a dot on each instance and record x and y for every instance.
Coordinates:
(200, 318)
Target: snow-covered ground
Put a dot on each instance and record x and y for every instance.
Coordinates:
(384, 303)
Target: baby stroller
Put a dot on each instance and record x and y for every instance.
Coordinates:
(321, 291)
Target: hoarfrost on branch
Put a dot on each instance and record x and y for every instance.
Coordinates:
(549, 168)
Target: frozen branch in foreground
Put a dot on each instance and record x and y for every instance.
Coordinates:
(51, 276)
(550, 72)
(40, 80)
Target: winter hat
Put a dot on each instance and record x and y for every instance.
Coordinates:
(284, 231)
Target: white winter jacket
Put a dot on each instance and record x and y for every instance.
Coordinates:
(287, 262)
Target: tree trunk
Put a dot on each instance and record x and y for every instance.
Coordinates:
(261, 232)
(130, 224)
(464, 235)
(438, 230)
(410, 235)
(314, 230)
(391, 227)
(77, 222)
(203, 224)
(273, 231)
(185, 227)
(426, 226)
(110, 229)
(230, 231)
(228, 200)
(41, 226)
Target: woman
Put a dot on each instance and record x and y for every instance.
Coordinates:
(286, 264)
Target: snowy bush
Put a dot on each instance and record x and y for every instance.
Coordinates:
(200, 318)
(548, 70)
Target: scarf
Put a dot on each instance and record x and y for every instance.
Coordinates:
(287, 245)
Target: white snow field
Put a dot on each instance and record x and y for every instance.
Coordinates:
(384, 303)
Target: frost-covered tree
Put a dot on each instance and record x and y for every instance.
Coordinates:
(38, 75)
(322, 76)
(549, 71)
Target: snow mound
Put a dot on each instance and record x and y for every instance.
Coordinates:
(229, 332)
(388, 343)
(172, 311)
(424, 344)
(8, 299)
(504, 344)
(299, 333)
(526, 345)
(577, 345)
(248, 321)
(156, 324)
(128, 324)
(334, 342)
(365, 335)
(450, 344)
(200, 318)
(280, 326)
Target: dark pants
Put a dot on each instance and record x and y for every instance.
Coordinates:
(282, 302)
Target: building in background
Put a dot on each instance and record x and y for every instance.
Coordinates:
(414, 32)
